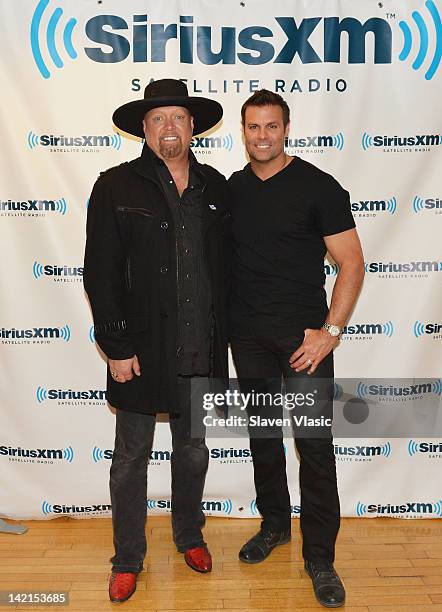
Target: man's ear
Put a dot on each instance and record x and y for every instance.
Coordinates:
(287, 129)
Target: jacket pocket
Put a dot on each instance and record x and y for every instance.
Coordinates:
(135, 210)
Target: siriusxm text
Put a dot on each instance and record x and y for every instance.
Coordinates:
(253, 45)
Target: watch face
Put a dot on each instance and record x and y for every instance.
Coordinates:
(334, 330)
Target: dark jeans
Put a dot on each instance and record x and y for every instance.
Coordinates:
(128, 483)
(259, 363)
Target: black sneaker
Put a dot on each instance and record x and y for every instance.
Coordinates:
(327, 585)
(261, 545)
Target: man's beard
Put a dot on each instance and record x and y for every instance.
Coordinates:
(169, 150)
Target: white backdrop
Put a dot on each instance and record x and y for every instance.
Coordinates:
(363, 82)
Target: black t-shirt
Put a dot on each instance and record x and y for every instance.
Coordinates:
(278, 227)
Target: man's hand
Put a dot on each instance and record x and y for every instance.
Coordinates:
(317, 344)
(123, 370)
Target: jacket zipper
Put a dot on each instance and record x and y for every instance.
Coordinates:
(128, 275)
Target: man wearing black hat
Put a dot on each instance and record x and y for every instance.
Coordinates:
(156, 264)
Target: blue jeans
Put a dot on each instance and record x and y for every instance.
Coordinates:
(128, 483)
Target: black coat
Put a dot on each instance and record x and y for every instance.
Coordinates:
(130, 278)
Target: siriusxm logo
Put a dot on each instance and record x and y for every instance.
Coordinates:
(224, 506)
(331, 269)
(412, 508)
(280, 41)
(72, 142)
(48, 508)
(416, 140)
(370, 206)
(34, 206)
(211, 142)
(337, 141)
(411, 266)
(38, 455)
(295, 510)
(90, 395)
(390, 391)
(420, 204)
(425, 448)
(57, 272)
(361, 453)
(369, 329)
(231, 455)
(99, 454)
(35, 334)
(420, 329)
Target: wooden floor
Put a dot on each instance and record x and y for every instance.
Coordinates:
(388, 565)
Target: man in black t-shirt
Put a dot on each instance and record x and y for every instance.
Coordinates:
(286, 215)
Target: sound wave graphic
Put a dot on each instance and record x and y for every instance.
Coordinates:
(41, 394)
(386, 449)
(423, 40)
(331, 269)
(418, 204)
(253, 508)
(68, 454)
(367, 141)
(228, 142)
(388, 329)
(50, 38)
(362, 390)
(97, 454)
(361, 509)
(391, 205)
(92, 334)
(151, 504)
(61, 206)
(337, 391)
(418, 329)
(46, 507)
(227, 506)
(437, 508)
(413, 447)
(338, 141)
(37, 269)
(437, 386)
(33, 140)
(115, 140)
(65, 333)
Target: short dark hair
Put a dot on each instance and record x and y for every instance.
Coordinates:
(264, 97)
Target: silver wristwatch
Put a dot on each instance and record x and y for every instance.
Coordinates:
(333, 330)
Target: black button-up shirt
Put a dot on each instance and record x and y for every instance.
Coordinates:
(193, 281)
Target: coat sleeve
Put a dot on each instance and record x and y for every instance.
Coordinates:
(104, 265)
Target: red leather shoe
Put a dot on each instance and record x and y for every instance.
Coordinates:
(122, 586)
(199, 559)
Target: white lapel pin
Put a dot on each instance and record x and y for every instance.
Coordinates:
(212, 206)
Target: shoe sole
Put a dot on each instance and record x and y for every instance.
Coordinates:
(285, 541)
(321, 602)
(114, 600)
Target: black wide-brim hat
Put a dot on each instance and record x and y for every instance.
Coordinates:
(167, 92)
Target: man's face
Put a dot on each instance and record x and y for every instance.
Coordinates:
(264, 132)
(168, 131)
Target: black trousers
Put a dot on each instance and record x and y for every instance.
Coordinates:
(128, 482)
(259, 363)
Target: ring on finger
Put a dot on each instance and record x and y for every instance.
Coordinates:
(309, 362)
